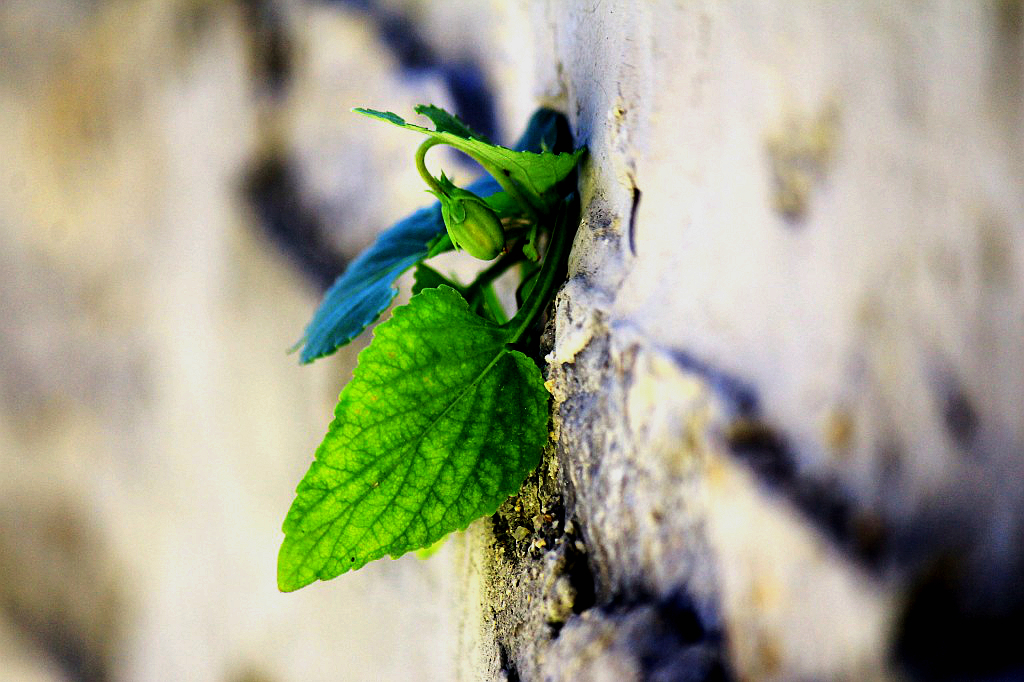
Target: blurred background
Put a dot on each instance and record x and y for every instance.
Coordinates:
(179, 182)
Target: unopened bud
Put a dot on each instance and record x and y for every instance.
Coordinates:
(471, 223)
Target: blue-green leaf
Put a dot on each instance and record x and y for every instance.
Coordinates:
(359, 296)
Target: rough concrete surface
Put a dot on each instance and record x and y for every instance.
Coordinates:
(787, 424)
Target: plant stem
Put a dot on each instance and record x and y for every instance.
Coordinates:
(546, 280)
(492, 272)
(506, 183)
(421, 166)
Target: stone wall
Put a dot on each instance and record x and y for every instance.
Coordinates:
(787, 434)
(787, 407)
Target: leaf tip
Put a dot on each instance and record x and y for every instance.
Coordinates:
(289, 574)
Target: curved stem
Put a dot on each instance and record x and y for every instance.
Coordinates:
(506, 183)
(421, 165)
(493, 305)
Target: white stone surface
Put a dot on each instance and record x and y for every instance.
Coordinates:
(829, 213)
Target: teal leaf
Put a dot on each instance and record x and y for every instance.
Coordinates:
(534, 173)
(440, 423)
(367, 287)
(359, 296)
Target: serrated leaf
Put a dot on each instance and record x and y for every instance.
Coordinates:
(366, 288)
(445, 122)
(440, 423)
(535, 173)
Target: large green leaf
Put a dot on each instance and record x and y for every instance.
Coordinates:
(536, 173)
(366, 289)
(440, 423)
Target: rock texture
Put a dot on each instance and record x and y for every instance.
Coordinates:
(788, 441)
(787, 437)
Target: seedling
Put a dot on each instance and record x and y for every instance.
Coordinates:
(446, 412)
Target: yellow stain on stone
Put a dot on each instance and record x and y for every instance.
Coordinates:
(800, 151)
(839, 430)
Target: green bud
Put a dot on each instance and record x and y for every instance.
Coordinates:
(471, 223)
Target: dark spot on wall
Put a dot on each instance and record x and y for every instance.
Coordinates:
(507, 663)
(66, 646)
(800, 153)
(890, 457)
(269, 43)
(472, 96)
(273, 190)
(864, 534)
(577, 569)
(737, 393)
(465, 79)
(632, 217)
(56, 589)
(680, 610)
(504, 527)
(670, 637)
(945, 634)
(1007, 70)
(401, 36)
(996, 254)
(601, 222)
(762, 449)
(959, 416)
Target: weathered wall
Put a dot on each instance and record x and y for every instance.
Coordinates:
(788, 435)
(152, 427)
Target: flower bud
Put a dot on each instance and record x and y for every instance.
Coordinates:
(471, 223)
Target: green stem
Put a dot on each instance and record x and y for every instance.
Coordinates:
(421, 165)
(546, 280)
(506, 183)
(492, 272)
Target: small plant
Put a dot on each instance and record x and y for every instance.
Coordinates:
(446, 413)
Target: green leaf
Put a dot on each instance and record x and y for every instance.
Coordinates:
(504, 205)
(534, 173)
(445, 122)
(440, 423)
(425, 553)
(367, 287)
